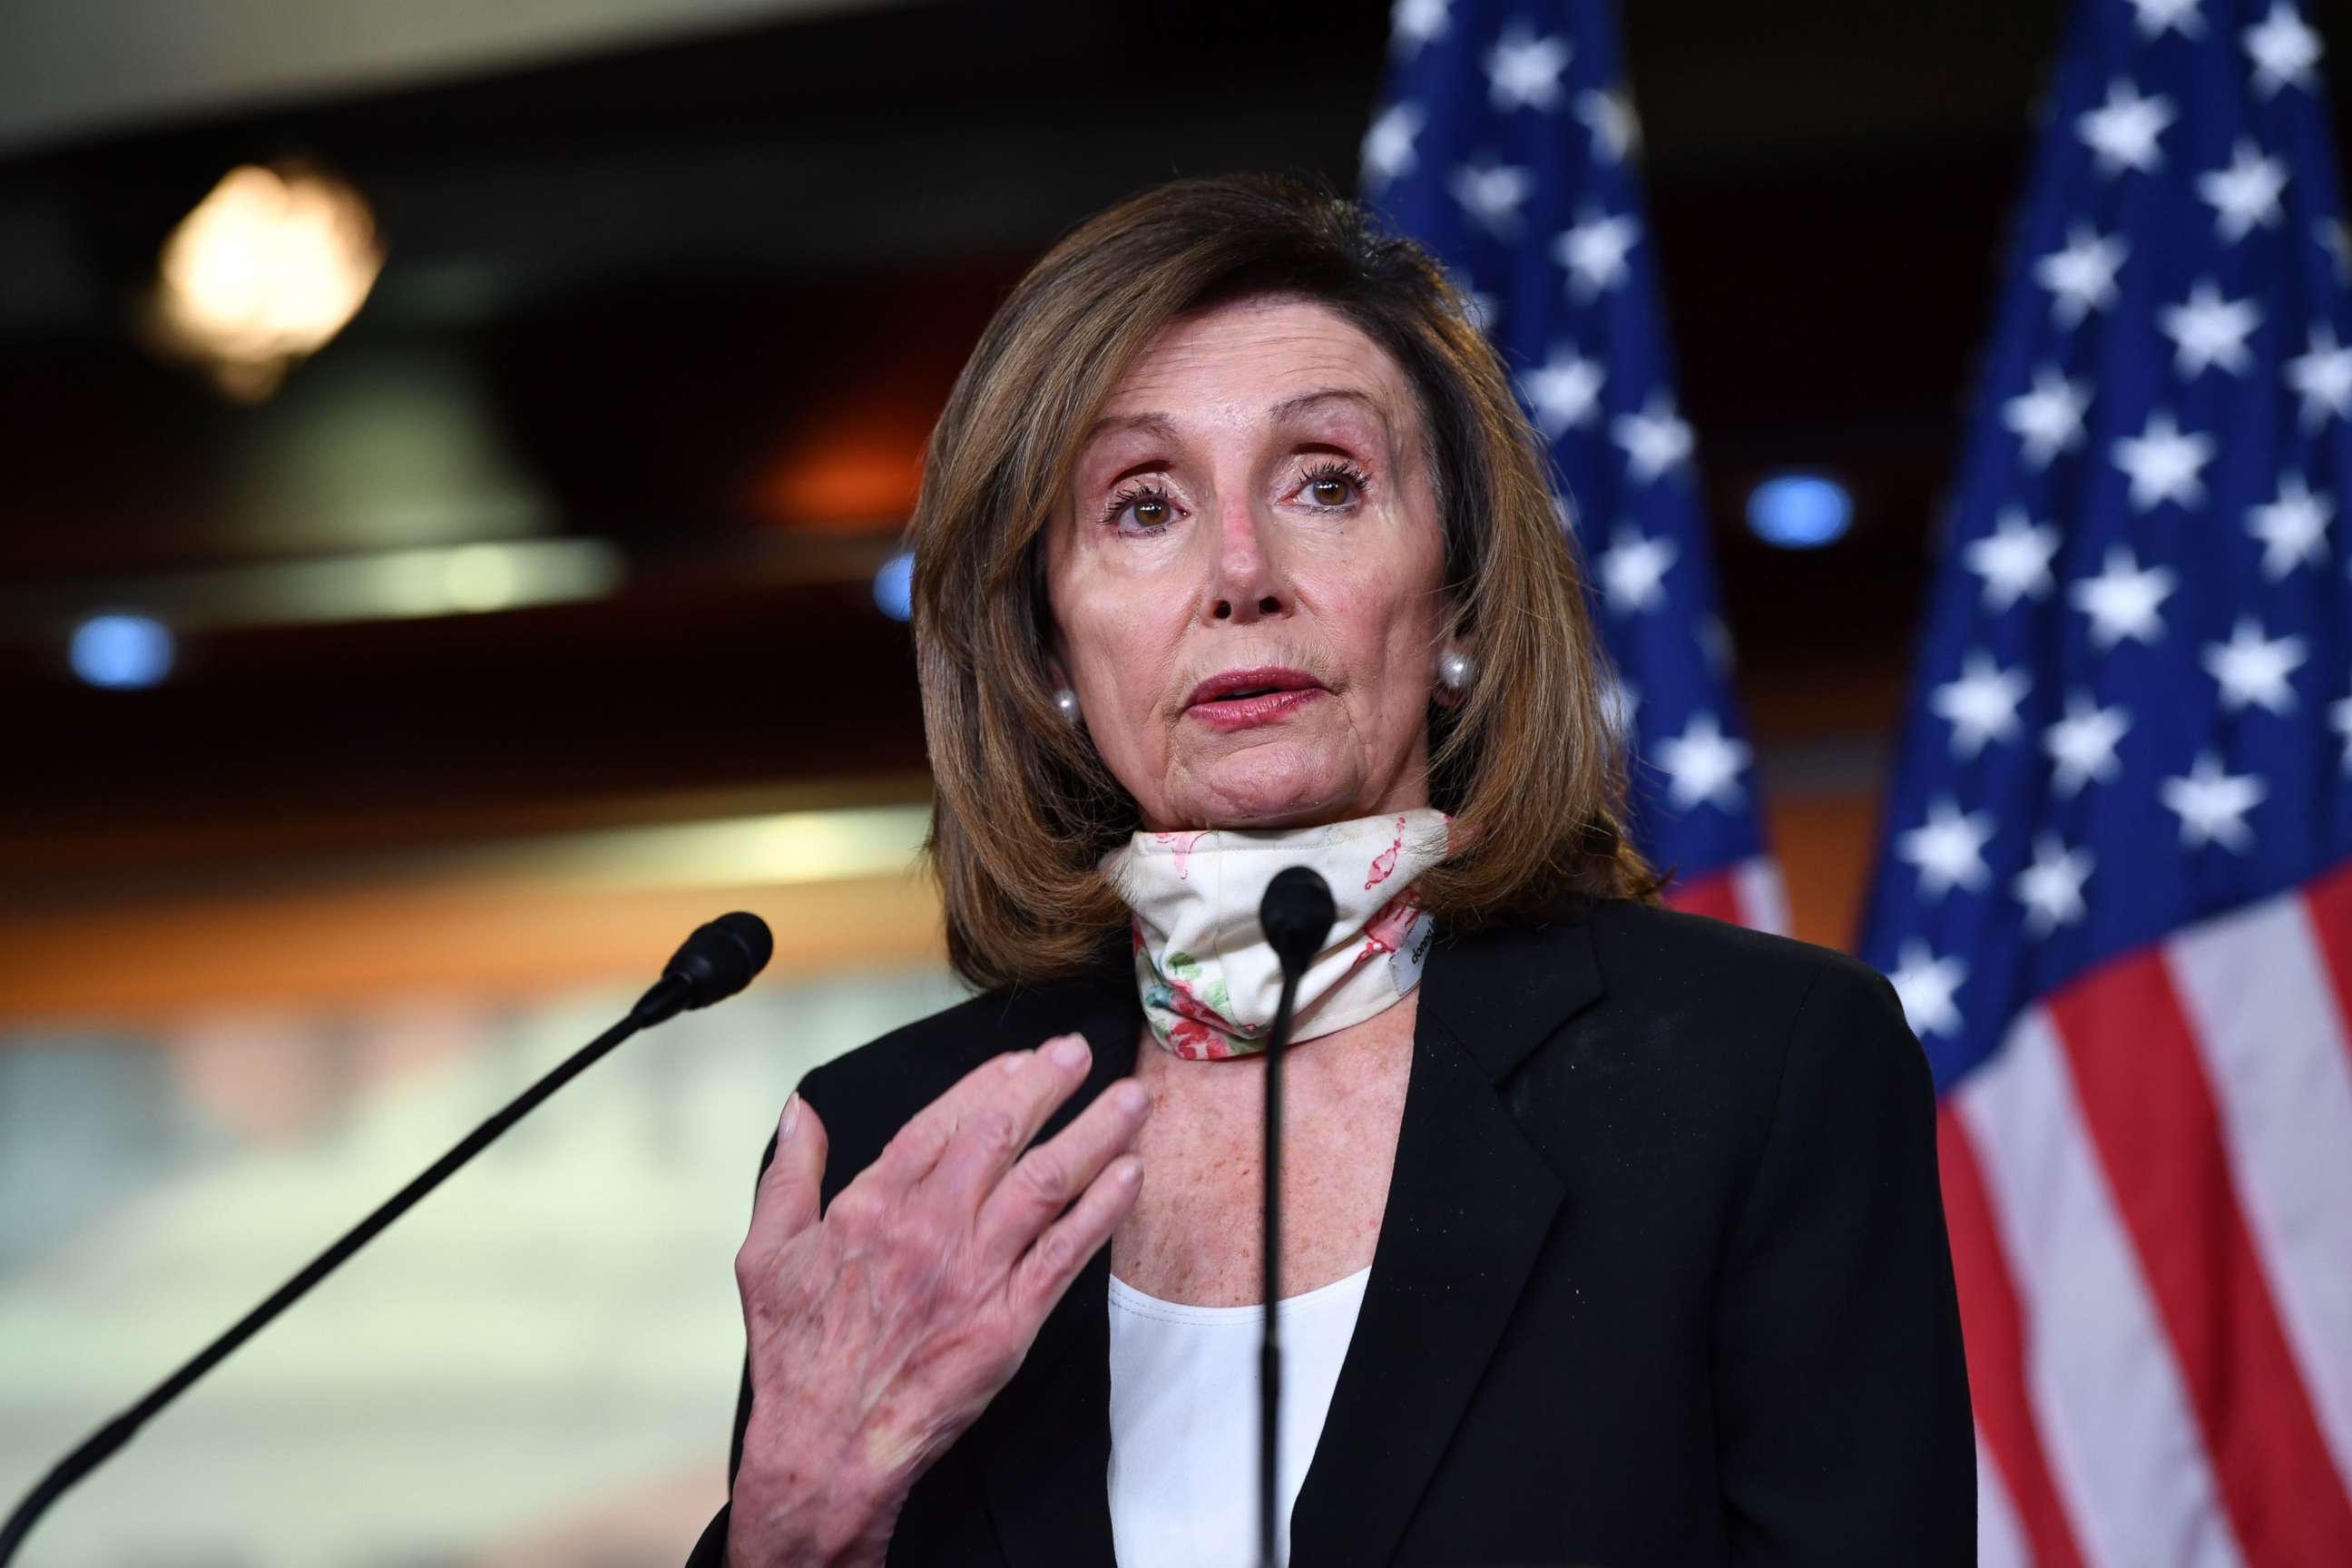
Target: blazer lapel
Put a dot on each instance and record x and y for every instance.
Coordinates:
(1470, 1204)
(1045, 1444)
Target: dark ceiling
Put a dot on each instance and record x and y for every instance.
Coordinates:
(706, 298)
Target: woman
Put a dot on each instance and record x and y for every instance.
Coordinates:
(1610, 1235)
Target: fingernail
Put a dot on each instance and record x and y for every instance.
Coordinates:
(1013, 1061)
(791, 1113)
(1129, 1172)
(1069, 1051)
(1132, 1097)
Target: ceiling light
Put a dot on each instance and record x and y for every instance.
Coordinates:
(894, 587)
(121, 652)
(267, 268)
(1800, 511)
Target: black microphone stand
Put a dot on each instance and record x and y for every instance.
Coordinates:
(1269, 1356)
(716, 962)
(1295, 915)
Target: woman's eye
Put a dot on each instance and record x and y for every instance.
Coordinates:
(1150, 508)
(1333, 488)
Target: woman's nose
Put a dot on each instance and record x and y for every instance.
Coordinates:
(1246, 583)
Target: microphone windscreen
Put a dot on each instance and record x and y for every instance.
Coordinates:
(1295, 915)
(721, 958)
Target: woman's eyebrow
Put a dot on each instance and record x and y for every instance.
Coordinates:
(1291, 407)
(1153, 423)
(1156, 423)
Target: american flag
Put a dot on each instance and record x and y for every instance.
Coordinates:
(2114, 889)
(1504, 145)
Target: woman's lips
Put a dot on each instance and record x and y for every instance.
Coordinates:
(1245, 712)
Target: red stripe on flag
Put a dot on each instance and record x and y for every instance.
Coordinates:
(1993, 1329)
(1714, 895)
(2329, 900)
(2151, 1116)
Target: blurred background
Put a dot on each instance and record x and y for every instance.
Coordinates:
(393, 676)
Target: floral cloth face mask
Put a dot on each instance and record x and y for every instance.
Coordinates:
(1208, 978)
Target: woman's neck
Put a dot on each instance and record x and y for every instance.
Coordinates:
(1194, 1235)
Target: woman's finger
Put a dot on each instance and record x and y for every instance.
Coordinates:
(1048, 1177)
(787, 1199)
(1046, 1269)
(916, 1147)
(993, 1132)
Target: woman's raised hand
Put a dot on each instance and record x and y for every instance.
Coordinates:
(880, 1330)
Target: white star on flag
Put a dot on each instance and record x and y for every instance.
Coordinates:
(1981, 704)
(2122, 134)
(1413, 23)
(1491, 193)
(2082, 743)
(2208, 330)
(1655, 440)
(2245, 196)
(1924, 985)
(1388, 145)
(2013, 560)
(2081, 277)
(2163, 463)
(2322, 377)
(2154, 16)
(2051, 887)
(1594, 250)
(1565, 390)
(1702, 764)
(1523, 71)
(2049, 418)
(1616, 132)
(1948, 848)
(2252, 669)
(2122, 599)
(2212, 804)
(2293, 529)
(2339, 718)
(1633, 570)
(2284, 50)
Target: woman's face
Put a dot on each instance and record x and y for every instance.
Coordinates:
(1245, 574)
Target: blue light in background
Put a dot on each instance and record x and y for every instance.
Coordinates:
(1800, 511)
(121, 652)
(894, 587)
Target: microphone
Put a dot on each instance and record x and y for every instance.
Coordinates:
(1295, 915)
(719, 960)
(714, 962)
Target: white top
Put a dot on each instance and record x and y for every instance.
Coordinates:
(1184, 1417)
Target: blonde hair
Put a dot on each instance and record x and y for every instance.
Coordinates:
(1529, 763)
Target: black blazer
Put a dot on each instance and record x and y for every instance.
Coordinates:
(1663, 1276)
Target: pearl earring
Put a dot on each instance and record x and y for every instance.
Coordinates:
(1066, 702)
(1456, 669)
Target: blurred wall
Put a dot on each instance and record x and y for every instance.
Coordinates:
(536, 1366)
